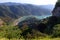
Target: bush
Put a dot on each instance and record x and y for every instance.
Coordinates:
(56, 31)
(8, 31)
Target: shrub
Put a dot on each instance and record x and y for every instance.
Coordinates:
(56, 31)
(8, 31)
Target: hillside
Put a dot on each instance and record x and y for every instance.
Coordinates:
(29, 26)
(11, 11)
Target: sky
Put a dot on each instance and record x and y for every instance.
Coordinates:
(36, 2)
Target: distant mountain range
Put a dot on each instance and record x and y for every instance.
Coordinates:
(11, 11)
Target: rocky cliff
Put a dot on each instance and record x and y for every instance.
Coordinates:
(56, 10)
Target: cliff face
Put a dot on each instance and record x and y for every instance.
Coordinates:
(56, 10)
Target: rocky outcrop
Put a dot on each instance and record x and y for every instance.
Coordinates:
(56, 10)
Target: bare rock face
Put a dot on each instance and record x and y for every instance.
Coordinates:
(56, 11)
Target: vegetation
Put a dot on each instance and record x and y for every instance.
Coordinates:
(48, 28)
(32, 29)
(8, 31)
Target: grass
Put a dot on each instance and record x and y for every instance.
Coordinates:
(32, 39)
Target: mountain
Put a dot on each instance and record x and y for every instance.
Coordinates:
(10, 11)
(49, 7)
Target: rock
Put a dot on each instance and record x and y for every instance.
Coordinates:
(56, 10)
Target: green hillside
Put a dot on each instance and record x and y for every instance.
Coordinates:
(48, 28)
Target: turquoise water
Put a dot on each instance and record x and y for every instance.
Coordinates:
(42, 17)
(25, 17)
(38, 17)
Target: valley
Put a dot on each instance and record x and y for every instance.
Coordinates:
(27, 21)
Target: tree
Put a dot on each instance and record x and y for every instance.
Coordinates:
(41, 27)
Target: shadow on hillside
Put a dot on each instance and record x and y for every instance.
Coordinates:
(41, 27)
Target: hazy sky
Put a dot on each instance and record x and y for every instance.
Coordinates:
(37, 2)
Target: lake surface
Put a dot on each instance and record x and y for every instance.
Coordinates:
(42, 17)
(38, 17)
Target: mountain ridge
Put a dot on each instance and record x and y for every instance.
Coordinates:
(11, 11)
